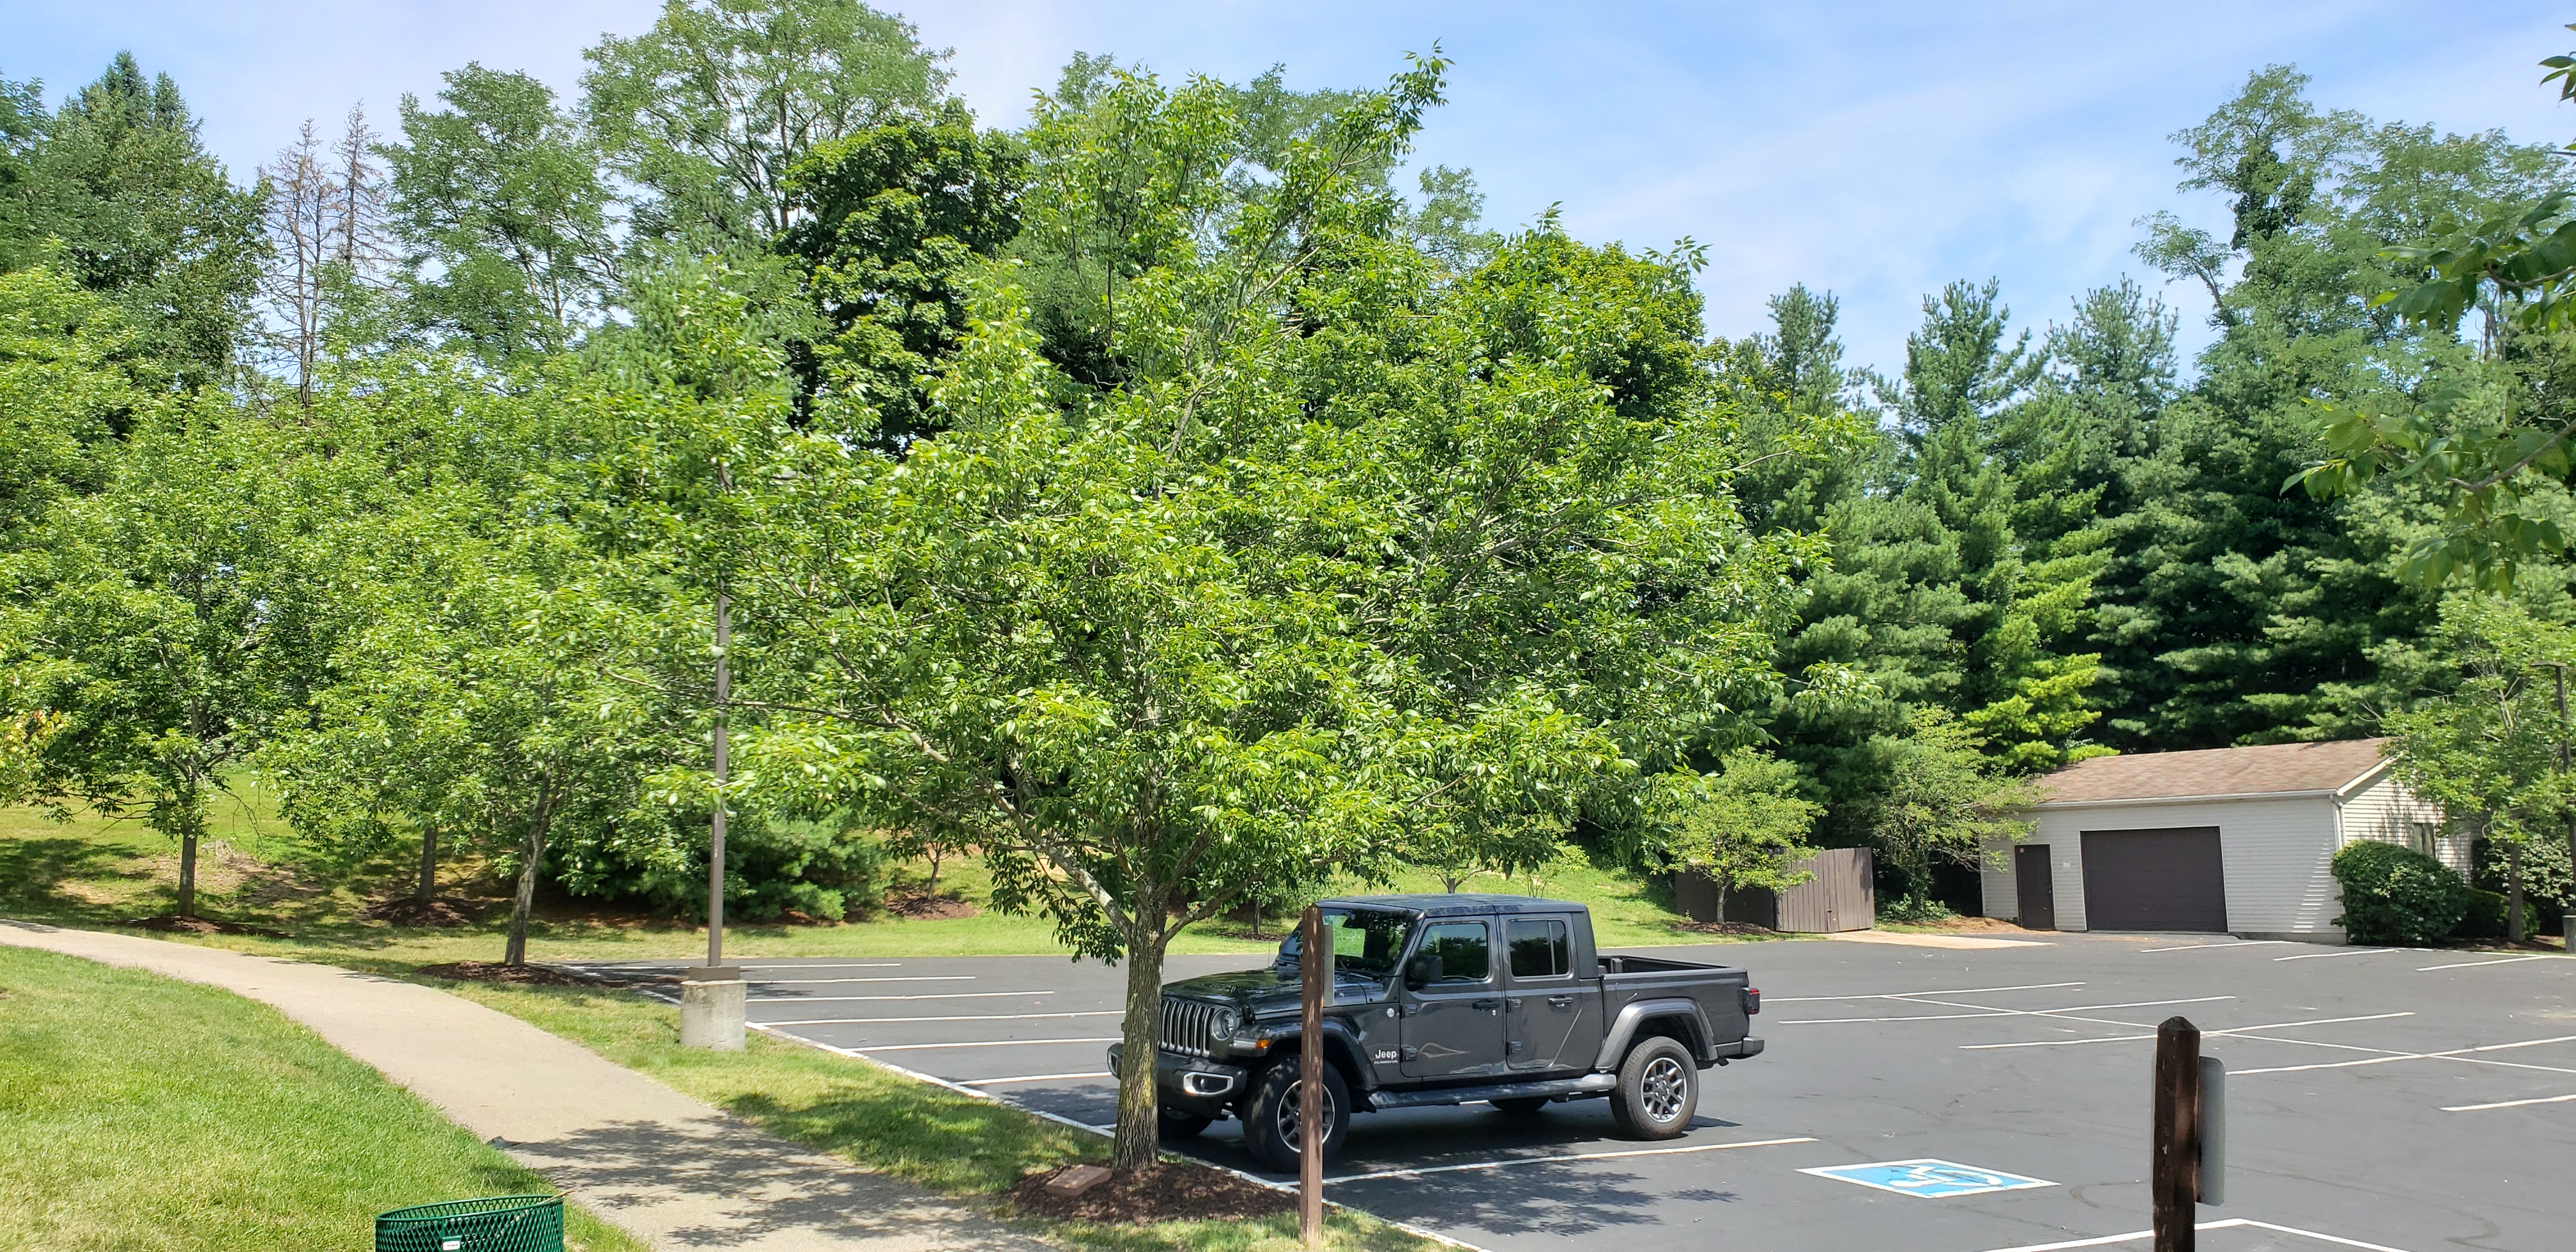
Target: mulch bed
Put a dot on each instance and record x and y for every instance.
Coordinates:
(1728, 928)
(1165, 1193)
(202, 926)
(922, 908)
(434, 911)
(495, 971)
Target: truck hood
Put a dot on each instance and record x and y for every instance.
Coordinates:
(1264, 993)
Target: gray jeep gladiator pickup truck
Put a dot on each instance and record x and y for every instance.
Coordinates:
(1444, 999)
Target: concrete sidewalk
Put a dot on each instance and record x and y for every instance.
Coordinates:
(673, 1170)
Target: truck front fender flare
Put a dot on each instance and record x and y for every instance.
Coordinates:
(1623, 1029)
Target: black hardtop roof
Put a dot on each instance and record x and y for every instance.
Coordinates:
(1455, 904)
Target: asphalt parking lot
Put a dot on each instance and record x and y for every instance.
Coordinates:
(2379, 1099)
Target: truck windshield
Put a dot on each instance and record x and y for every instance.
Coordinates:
(1366, 942)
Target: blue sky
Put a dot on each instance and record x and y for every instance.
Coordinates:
(1877, 150)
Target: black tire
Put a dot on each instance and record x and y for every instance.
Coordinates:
(1658, 1090)
(1270, 1116)
(1180, 1125)
(1521, 1106)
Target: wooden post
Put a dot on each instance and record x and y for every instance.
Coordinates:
(2173, 1182)
(1315, 957)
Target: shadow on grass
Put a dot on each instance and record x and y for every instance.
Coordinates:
(33, 872)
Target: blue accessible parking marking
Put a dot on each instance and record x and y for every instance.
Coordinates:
(1928, 1178)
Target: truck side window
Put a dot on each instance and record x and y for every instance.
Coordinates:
(1538, 949)
(1463, 951)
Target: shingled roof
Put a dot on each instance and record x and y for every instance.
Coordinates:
(2272, 769)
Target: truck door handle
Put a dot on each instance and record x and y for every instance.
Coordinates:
(1489, 1005)
(1513, 1003)
(1560, 1002)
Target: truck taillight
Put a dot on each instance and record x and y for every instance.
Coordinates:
(1752, 1000)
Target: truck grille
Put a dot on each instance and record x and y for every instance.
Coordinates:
(1186, 1024)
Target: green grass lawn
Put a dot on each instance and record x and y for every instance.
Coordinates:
(95, 872)
(881, 1121)
(143, 1114)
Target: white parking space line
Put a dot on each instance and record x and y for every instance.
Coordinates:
(1948, 1017)
(2311, 956)
(986, 1082)
(2228, 1223)
(944, 995)
(2454, 1054)
(813, 982)
(827, 965)
(2246, 1031)
(2510, 960)
(2068, 1014)
(2194, 947)
(1898, 995)
(1556, 1160)
(898, 977)
(982, 1017)
(980, 1043)
(2506, 1104)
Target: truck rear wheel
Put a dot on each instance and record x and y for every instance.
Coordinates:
(1270, 1117)
(1658, 1090)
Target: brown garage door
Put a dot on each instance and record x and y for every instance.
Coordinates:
(2154, 880)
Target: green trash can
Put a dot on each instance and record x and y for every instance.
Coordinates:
(501, 1223)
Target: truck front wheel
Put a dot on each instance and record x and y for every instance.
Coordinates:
(1270, 1118)
(1658, 1090)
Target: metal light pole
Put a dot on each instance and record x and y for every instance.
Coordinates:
(712, 1003)
(2566, 922)
(716, 823)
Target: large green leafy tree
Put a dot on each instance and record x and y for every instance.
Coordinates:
(2487, 437)
(892, 220)
(117, 189)
(2234, 612)
(2491, 753)
(1239, 619)
(503, 211)
(166, 622)
(712, 109)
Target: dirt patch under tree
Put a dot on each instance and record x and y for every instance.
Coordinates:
(434, 911)
(1164, 1193)
(175, 924)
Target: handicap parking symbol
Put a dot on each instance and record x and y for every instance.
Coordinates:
(1928, 1178)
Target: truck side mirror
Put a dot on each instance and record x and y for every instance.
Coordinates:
(1287, 960)
(1422, 971)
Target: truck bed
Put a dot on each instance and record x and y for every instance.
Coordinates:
(1719, 992)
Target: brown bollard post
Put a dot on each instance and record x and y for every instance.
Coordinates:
(1314, 961)
(2174, 1182)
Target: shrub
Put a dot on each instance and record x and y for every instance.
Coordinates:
(1915, 908)
(2397, 895)
(2486, 916)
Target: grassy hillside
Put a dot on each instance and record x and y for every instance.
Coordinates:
(97, 872)
(143, 1114)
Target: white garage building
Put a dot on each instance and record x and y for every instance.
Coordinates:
(2230, 840)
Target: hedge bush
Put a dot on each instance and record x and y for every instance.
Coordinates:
(2397, 895)
(2486, 916)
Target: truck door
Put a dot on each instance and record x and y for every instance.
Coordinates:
(1453, 1026)
(1552, 1018)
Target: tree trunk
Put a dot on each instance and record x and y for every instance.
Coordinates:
(933, 892)
(2513, 888)
(532, 856)
(428, 864)
(1140, 1134)
(188, 874)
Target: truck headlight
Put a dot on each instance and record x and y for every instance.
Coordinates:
(1221, 1026)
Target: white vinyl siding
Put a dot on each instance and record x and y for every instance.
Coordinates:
(2383, 810)
(2275, 854)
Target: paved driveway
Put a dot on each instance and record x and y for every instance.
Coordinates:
(2390, 1099)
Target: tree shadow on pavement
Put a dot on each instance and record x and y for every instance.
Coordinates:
(719, 1184)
